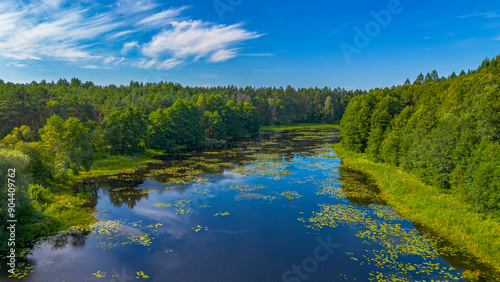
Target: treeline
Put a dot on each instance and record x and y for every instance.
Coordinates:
(49, 158)
(32, 104)
(62, 145)
(445, 130)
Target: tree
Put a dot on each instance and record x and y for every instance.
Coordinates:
(160, 132)
(13, 165)
(123, 131)
(202, 103)
(215, 103)
(419, 80)
(186, 123)
(51, 136)
(67, 144)
(77, 145)
(355, 125)
(213, 126)
(23, 134)
(328, 110)
(252, 125)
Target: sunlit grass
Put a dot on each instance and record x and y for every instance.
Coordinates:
(447, 214)
(120, 164)
(298, 126)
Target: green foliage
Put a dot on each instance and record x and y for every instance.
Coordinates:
(186, 123)
(123, 131)
(213, 126)
(160, 132)
(447, 132)
(66, 143)
(25, 211)
(355, 125)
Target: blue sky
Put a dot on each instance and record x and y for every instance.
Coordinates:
(352, 44)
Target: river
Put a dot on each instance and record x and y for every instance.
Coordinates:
(268, 210)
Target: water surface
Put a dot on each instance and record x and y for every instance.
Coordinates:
(268, 210)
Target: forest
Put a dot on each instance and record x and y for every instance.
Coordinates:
(51, 132)
(445, 130)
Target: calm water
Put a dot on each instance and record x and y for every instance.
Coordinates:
(269, 210)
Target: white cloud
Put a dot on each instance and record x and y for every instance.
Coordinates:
(162, 17)
(168, 64)
(129, 46)
(497, 38)
(146, 64)
(93, 35)
(121, 33)
(222, 55)
(485, 14)
(93, 67)
(197, 39)
(16, 64)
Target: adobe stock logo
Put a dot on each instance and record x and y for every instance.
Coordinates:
(310, 264)
(372, 29)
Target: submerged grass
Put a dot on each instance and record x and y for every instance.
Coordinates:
(449, 215)
(299, 126)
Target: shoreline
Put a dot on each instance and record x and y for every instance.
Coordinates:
(446, 214)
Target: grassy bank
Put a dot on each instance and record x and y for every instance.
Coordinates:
(120, 164)
(447, 214)
(298, 126)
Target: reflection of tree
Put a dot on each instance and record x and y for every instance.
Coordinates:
(61, 240)
(130, 197)
(358, 188)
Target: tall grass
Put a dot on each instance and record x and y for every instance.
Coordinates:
(448, 214)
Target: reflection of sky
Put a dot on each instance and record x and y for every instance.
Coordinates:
(259, 240)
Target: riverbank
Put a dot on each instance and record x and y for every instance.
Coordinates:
(298, 126)
(447, 214)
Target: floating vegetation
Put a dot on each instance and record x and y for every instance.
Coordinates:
(274, 170)
(250, 196)
(247, 188)
(22, 270)
(198, 228)
(121, 232)
(334, 215)
(330, 187)
(385, 213)
(140, 274)
(182, 206)
(290, 195)
(99, 274)
(162, 205)
(140, 240)
(222, 214)
(395, 243)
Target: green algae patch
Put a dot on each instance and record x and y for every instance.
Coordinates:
(298, 127)
(449, 216)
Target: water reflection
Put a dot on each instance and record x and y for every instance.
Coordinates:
(247, 212)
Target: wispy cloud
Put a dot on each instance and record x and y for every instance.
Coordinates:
(129, 46)
(496, 38)
(485, 15)
(16, 64)
(92, 35)
(196, 39)
(163, 17)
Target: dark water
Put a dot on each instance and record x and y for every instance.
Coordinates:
(269, 210)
